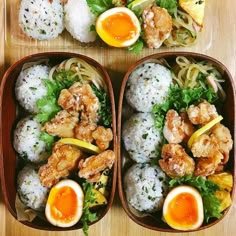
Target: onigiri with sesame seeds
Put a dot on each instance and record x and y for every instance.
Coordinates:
(147, 85)
(30, 190)
(27, 141)
(145, 187)
(30, 86)
(79, 19)
(41, 19)
(141, 139)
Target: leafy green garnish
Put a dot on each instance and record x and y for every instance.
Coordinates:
(105, 110)
(181, 98)
(207, 189)
(89, 199)
(92, 28)
(48, 106)
(97, 7)
(169, 5)
(137, 47)
(48, 139)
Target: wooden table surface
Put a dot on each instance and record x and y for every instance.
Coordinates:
(218, 39)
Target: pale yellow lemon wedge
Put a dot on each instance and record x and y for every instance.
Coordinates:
(204, 129)
(195, 8)
(137, 5)
(84, 146)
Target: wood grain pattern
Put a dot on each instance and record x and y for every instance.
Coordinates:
(218, 39)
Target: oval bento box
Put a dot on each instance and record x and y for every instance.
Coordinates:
(155, 221)
(10, 112)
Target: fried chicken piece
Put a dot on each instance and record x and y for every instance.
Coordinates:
(61, 125)
(203, 113)
(176, 162)
(93, 165)
(224, 140)
(212, 150)
(67, 101)
(102, 137)
(84, 131)
(208, 165)
(157, 25)
(187, 126)
(64, 159)
(177, 127)
(204, 146)
(80, 98)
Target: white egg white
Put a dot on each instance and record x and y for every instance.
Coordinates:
(80, 198)
(171, 195)
(106, 37)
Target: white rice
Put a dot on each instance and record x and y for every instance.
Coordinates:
(30, 86)
(26, 141)
(148, 85)
(145, 187)
(141, 139)
(79, 19)
(30, 190)
(41, 19)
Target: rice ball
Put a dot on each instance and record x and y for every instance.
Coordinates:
(27, 143)
(30, 190)
(41, 19)
(30, 86)
(145, 187)
(140, 137)
(79, 19)
(148, 85)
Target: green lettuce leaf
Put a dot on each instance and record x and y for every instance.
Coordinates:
(180, 99)
(89, 199)
(97, 7)
(169, 5)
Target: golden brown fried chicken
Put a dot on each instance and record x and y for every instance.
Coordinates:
(223, 137)
(80, 98)
(187, 126)
(212, 150)
(203, 113)
(62, 125)
(176, 162)
(64, 159)
(84, 131)
(92, 166)
(204, 146)
(177, 127)
(102, 137)
(208, 165)
(157, 25)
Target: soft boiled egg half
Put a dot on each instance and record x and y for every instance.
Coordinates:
(118, 27)
(65, 203)
(183, 208)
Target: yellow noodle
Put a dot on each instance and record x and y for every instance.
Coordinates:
(83, 70)
(183, 24)
(187, 72)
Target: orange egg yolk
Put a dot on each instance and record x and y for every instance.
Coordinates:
(63, 202)
(183, 209)
(120, 26)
